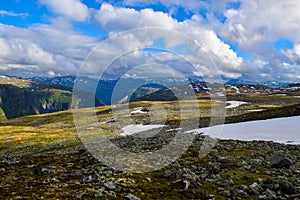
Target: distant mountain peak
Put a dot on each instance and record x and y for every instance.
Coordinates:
(270, 83)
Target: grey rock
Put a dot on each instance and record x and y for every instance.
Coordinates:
(87, 179)
(131, 197)
(72, 174)
(262, 197)
(233, 193)
(222, 159)
(170, 173)
(187, 184)
(242, 193)
(256, 161)
(247, 167)
(55, 179)
(270, 194)
(225, 193)
(254, 187)
(297, 189)
(246, 177)
(110, 193)
(189, 175)
(257, 155)
(110, 185)
(182, 184)
(45, 169)
(181, 173)
(295, 196)
(99, 192)
(243, 187)
(195, 153)
(229, 181)
(253, 170)
(11, 160)
(280, 161)
(78, 194)
(286, 187)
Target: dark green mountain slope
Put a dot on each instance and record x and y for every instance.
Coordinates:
(20, 97)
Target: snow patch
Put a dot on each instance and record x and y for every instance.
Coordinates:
(174, 129)
(256, 110)
(234, 104)
(220, 94)
(137, 128)
(139, 110)
(281, 130)
(281, 95)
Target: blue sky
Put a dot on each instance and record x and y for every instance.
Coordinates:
(246, 39)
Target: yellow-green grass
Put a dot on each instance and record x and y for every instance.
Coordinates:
(38, 137)
(58, 129)
(15, 81)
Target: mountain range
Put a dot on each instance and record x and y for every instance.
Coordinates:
(138, 89)
(38, 95)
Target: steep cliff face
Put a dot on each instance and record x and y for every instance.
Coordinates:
(20, 97)
(17, 102)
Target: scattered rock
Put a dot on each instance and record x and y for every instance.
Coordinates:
(286, 187)
(78, 194)
(170, 173)
(280, 161)
(187, 175)
(195, 153)
(295, 196)
(256, 161)
(99, 192)
(247, 177)
(229, 181)
(131, 197)
(222, 159)
(270, 194)
(110, 185)
(181, 185)
(225, 193)
(11, 160)
(110, 193)
(87, 179)
(72, 174)
(45, 169)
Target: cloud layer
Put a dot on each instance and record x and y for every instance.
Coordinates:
(238, 36)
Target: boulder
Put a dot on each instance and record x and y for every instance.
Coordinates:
(280, 161)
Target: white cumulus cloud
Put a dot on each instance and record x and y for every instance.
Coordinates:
(73, 9)
(113, 18)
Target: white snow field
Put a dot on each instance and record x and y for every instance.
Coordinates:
(281, 130)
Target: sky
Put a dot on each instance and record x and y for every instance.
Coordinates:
(244, 39)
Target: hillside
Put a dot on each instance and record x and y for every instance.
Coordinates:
(43, 157)
(19, 97)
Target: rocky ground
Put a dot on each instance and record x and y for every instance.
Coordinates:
(232, 170)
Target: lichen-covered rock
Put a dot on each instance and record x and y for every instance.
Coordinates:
(280, 161)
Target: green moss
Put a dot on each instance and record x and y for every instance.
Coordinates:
(2, 115)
